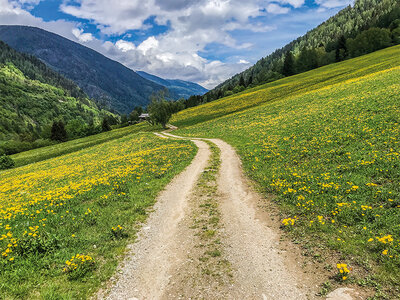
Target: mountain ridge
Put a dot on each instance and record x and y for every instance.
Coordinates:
(109, 82)
(348, 22)
(184, 89)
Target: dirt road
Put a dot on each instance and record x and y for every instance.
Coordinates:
(158, 250)
(166, 262)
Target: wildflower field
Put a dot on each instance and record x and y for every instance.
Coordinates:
(64, 221)
(36, 155)
(327, 144)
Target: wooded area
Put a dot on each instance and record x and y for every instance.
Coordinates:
(366, 27)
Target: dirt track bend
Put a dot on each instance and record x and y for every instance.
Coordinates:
(260, 270)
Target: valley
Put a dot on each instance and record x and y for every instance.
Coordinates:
(345, 208)
(279, 180)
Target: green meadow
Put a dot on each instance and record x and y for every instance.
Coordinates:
(326, 144)
(65, 221)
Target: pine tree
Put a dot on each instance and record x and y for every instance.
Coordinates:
(241, 81)
(105, 126)
(58, 132)
(288, 65)
(341, 49)
(250, 80)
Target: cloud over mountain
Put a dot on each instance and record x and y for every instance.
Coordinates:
(200, 41)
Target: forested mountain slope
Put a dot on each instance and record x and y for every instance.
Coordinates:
(103, 79)
(367, 26)
(32, 96)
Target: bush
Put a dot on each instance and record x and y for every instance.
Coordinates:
(228, 93)
(6, 162)
(105, 126)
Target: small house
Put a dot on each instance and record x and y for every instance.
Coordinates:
(144, 117)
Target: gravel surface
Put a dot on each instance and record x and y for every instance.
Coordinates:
(146, 270)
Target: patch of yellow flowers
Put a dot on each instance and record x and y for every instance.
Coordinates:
(330, 155)
(76, 262)
(343, 271)
(290, 221)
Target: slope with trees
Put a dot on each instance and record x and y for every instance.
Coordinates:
(109, 82)
(365, 27)
(33, 97)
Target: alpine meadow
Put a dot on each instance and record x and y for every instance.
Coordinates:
(329, 152)
(152, 151)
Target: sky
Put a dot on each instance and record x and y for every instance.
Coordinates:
(204, 41)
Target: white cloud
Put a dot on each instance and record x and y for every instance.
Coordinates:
(334, 3)
(82, 37)
(192, 26)
(28, 4)
(150, 44)
(125, 46)
(277, 9)
(11, 13)
(294, 3)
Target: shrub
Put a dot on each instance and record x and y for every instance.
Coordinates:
(105, 126)
(6, 162)
(58, 132)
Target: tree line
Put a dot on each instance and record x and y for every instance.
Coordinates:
(365, 27)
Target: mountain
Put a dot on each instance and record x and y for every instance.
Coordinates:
(184, 89)
(32, 96)
(103, 79)
(352, 27)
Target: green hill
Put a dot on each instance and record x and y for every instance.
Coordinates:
(367, 26)
(325, 144)
(32, 96)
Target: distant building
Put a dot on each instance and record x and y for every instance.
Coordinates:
(144, 117)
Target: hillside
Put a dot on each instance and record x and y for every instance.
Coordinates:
(181, 88)
(325, 144)
(32, 97)
(332, 41)
(321, 145)
(80, 203)
(103, 79)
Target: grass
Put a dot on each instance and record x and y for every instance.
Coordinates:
(44, 153)
(86, 202)
(326, 143)
(290, 86)
(207, 226)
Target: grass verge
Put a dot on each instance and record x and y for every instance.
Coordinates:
(207, 222)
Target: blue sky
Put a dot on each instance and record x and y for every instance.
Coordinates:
(205, 41)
